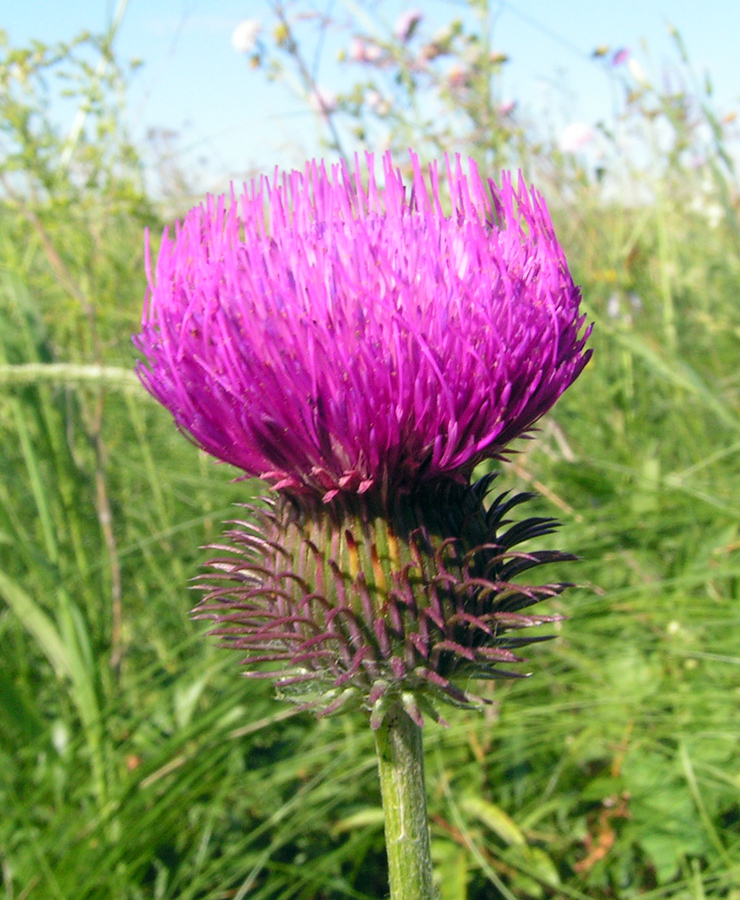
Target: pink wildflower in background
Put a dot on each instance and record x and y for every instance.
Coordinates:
(457, 76)
(363, 51)
(322, 101)
(406, 24)
(620, 57)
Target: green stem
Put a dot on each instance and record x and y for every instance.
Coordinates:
(401, 765)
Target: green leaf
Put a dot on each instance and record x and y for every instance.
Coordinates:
(370, 817)
(450, 869)
(37, 623)
(496, 819)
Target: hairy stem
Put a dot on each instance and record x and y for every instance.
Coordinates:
(401, 765)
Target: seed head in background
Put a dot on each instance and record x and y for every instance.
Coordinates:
(361, 350)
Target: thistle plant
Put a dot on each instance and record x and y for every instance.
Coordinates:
(361, 350)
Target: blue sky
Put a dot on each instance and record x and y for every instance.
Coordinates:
(230, 119)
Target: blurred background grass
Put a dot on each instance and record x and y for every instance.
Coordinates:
(136, 763)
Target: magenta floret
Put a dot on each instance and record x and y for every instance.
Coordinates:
(331, 335)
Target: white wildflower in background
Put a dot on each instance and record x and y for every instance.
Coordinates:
(706, 205)
(322, 101)
(637, 72)
(613, 306)
(621, 306)
(575, 136)
(245, 35)
(377, 103)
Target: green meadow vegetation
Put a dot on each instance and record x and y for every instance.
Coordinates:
(137, 764)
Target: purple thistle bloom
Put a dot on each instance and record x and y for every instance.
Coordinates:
(362, 351)
(330, 336)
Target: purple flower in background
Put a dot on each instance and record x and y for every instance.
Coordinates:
(362, 350)
(620, 57)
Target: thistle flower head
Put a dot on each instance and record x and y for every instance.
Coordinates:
(328, 334)
(362, 350)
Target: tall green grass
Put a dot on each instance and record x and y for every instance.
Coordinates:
(137, 763)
